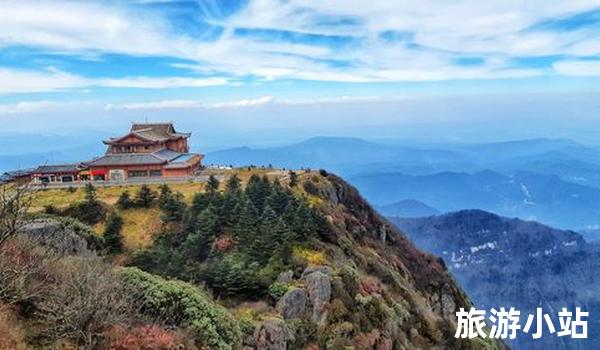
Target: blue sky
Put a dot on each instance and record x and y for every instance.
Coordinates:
(210, 60)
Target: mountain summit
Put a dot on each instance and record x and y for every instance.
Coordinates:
(291, 260)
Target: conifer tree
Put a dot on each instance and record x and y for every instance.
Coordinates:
(90, 193)
(164, 195)
(293, 179)
(113, 239)
(233, 185)
(124, 201)
(257, 190)
(173, 208)
(279, 198)
(145, 197)
(90, 211)
(247, 225)
(266, 240)
(304, 224)
(197, 244)
(212, 186)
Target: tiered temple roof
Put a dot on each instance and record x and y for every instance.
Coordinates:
(156, 132)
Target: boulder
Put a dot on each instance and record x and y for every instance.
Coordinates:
(322, 269)
(285, 277)
(272, 334)
(319, 292)
(52, 234)
(293, 304)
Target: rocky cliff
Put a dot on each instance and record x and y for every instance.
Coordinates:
(376, 290)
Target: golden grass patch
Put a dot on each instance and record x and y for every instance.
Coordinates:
(139, 227)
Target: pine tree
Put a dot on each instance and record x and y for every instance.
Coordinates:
(279, 198)
(173, 208)
(247, 225)
(90, 193)
(113, 239)
(197, 244)
(266, 240)
(124, 201)
(199, 203)
(164, 195)
(304, 224)
(233, 185)
(90, 211)
(257, 190)
(212, 186)
(293, 179)
(228, 210)
(145, 197)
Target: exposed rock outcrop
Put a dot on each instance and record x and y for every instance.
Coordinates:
(272, 334)
(285, 277)
(319, 292)
(293, 304)
(56, 236)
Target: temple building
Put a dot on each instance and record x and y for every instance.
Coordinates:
(148, 150)
(57, 173)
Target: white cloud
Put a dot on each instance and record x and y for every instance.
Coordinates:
(76, 26)
(160, 83)
(27, 81)
(18, 81)
(191, 104)
(244, 103)
(578, 68)
(441, 31)
(255, 102)
(28, 107)
(168, 104)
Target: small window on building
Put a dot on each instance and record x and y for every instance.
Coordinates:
(67, 178)
(155, 173)
(137, 173)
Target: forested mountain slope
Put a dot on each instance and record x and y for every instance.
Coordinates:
(262, 260)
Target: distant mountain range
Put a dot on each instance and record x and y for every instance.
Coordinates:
(555, 181)
(351, 156)
(341, 155)
(546, 198)
(511, 262)
(22, 151)
(408, 208)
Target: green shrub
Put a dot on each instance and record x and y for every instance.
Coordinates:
(247, 326)
(181, 304)
(277, 290)
(51, 210)
(87, 212)
(125, 201)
